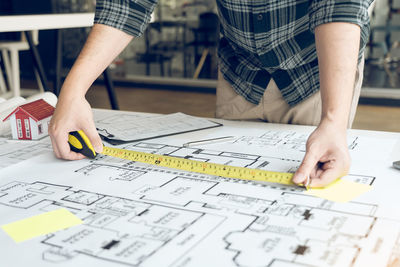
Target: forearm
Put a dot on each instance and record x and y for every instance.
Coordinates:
(337, 48)
(102, 46)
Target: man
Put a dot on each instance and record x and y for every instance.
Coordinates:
(283, 61)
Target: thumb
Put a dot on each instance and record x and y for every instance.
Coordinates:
(306, 167)
(94, 138)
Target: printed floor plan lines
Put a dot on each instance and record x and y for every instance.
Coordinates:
(115, 229)
(140, 215)
(12, 152)
(283, 140)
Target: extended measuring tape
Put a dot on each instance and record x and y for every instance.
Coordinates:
(80, 143)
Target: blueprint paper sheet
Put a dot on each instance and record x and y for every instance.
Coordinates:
(130, 128)
(140, 215)
(14, 151)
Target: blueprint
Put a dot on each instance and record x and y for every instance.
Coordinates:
(282, 140)
(14, 151)
(130, 128)
(142, 215)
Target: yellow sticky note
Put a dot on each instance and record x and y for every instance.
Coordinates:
(41, 224)
(340, 191)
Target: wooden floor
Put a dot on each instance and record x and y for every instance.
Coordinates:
(380, 118)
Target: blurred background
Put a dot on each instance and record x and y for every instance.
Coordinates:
(173, 66)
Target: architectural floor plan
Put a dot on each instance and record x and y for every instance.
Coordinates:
(141, 215)
(12, 151)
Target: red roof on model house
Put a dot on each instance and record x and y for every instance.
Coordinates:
(37, 110)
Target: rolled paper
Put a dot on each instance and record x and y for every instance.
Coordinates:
(11, 103)
(46, 96)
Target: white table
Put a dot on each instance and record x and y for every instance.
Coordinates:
(28, 23)
(45, 22)
(141, 215)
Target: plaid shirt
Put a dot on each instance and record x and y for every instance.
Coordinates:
(261, 39)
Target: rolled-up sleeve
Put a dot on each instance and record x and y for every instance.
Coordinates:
(351, 11)
(129, 16)
(325, 11)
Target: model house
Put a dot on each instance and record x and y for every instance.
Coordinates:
(31, 121)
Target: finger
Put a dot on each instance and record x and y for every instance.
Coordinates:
(317, 174)
(75, 156)
(326, 177)
(314, 171)
(94, 138)
(55, 148)
(64, 148)
(309, 162)
(320, 168)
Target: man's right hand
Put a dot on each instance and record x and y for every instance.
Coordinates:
(72, 114)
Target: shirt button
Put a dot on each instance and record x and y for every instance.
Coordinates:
(259, 16)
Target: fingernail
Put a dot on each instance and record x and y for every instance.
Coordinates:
(99, 148)
(307, 183)
(298, 178)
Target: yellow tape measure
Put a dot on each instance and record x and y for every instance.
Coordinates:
(180, 163)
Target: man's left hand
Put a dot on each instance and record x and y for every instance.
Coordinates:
(327, 156)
